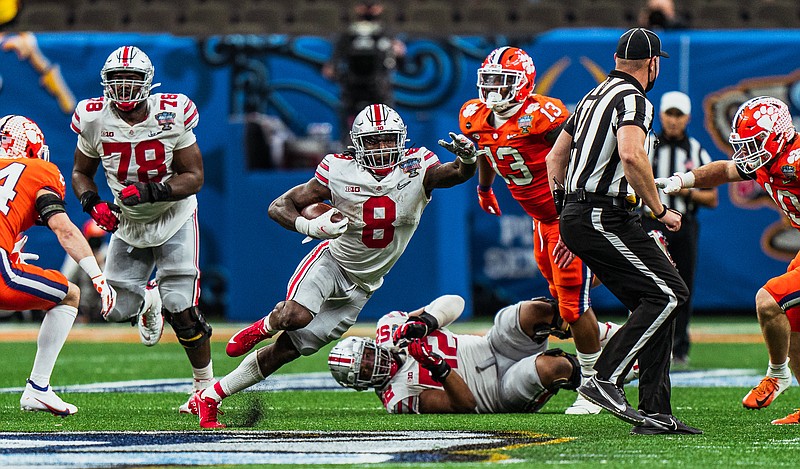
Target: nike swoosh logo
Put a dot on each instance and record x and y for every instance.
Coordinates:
(760, 402)
(232, 341)
(619, 407)
(401, 185)
(52, 409)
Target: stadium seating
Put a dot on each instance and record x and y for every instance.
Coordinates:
(417, 17)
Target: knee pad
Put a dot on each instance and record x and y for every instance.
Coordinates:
(556, 327)
(190, 327)
(574, 379)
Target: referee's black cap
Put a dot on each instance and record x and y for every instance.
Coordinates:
(639, 43)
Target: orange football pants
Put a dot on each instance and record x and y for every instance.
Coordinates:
(26, 286)
(570, 285)
(785, 289)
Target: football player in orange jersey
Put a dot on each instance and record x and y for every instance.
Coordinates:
(33, 191)
(767, 150)
(515, 129)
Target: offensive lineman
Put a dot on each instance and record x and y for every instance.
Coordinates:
(154, 168)
(515, 129)
(381, 188)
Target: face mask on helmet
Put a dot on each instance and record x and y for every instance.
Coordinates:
(20, 137)
(760, 131)
(127, 77)
(358, 363)
(379, 138)
(506, 77)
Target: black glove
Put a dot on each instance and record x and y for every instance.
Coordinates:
(135, 193)
(415, 327)
(429, 360)
(558, 197)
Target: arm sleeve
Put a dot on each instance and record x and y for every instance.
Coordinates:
(634, 109)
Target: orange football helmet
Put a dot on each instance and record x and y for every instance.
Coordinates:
(760, 131)
(507, 76)
(20, 137)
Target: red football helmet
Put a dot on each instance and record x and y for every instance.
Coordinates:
(20, 137)
(506, 76)
(760, 131)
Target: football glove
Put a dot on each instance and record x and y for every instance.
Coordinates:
(108, 297)
(415, 327)
(102, 212)
(462, 147)
(488, 202)
(135, 193)
(322, 227)
(17, 256)
(675, 182)
(429, 360)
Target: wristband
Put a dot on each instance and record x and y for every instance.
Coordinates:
(89, 265)
(301, 225)
(482, 188)
(664, 212)
(88, 200)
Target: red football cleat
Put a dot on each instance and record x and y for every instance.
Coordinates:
(244, 340)
(207, 410)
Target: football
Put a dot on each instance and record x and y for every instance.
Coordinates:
(314, 210)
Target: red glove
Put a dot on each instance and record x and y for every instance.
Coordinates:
(488, 202)
(101, 211)
(429, 360)
(135, 193)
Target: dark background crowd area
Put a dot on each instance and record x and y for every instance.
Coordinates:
(415, 17)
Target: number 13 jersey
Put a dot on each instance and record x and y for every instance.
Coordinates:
(383, 214)
(140, 153)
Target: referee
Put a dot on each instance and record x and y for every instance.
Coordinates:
(678, 152)
(598, 168)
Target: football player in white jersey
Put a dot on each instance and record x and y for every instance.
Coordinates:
(416, 365)
(154, 168)
(381, 188)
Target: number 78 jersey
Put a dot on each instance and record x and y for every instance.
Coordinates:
(517, 149)
(140, 153)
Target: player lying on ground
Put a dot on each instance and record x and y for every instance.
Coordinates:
(416, 365)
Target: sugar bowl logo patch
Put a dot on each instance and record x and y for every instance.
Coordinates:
(789, 173)
(411, 167)
(166, 120)
(524, 123)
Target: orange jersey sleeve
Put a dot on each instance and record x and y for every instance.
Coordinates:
(20, 180)
(517, 149)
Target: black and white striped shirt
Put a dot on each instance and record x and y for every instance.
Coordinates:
(677, 156)
(594, 163)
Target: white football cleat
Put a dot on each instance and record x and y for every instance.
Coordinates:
(150, 320)
(190, 407)
(582, 406)
(36, 399)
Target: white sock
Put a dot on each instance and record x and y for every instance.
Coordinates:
(203, 377)
(52, 335)
(780, 371)
(587, 361)
(245, 375)
(607, 331)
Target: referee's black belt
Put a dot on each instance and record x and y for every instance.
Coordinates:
(582, 197)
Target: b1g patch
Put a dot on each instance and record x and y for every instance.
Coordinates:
(166, 120)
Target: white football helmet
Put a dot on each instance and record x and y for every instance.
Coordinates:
(760, 131)
(379, 138)
(358, 363)
(126, 93)
(20, 137)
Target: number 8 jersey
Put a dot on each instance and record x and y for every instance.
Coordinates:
(383, 214)
(140, 153)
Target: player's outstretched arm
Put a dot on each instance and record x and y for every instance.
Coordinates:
(441, 312)
(286, 209)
